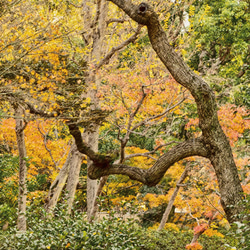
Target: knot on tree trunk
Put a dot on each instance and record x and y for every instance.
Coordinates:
(143, 7)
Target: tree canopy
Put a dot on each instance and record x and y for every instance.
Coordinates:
(150, 99)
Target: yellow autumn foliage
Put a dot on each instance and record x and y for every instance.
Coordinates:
(168, 226)
(213, 232)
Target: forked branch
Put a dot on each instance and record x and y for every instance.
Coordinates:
(103, 164)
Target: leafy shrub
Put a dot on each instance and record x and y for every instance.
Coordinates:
(8, 187)
(62, 232)
(154, 215)
(240, 230)
(174, 240)
(6, 214)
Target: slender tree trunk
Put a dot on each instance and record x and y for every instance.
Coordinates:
(73, 178)
(22, 191)
(96, 37)
(59, 183)
(172, 199)
(92, 185)
(69, 173)
(94, 209)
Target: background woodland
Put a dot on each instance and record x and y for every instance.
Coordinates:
(88, 64)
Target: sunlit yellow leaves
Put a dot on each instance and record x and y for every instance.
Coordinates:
(191, 10)
(154, 200)
(34, 46)
(117, 201)
(36, 196)
(121, 200)
(168, 226)
(175, 171)
(194, 246)
(224, 223)
(212, 232)
(142, 162)
(206, 11)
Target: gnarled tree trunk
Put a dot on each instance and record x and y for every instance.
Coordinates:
(218, 147)
(213, 144)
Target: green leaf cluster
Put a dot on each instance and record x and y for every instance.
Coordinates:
(219, 47)
(64, 232)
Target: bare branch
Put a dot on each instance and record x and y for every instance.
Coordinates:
(190, 213)
(140, 154)
(124, 141)
(140, 102)
(106, 59)
(44, 135)
(76, 6)
(144, 122)
(115, 20)
(212, 205)
(172, 199)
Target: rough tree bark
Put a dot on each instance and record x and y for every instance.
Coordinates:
(96, 32)
(69, 169)
(73, 178)
(94, 209)
(22, 189)
(213, 144)
(92, 185)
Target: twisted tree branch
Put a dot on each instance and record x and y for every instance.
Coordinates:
(103, 164)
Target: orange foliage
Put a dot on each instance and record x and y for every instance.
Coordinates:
(155, 200)
(201, 228)
(231, 119)
(38, 157)
(127, 89)
(194, 246)
(246, 188)
(233, 122)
